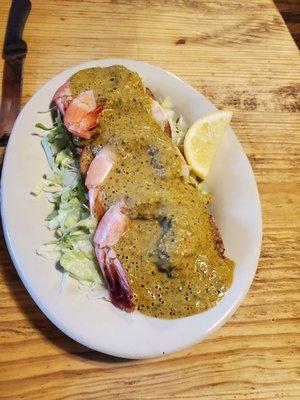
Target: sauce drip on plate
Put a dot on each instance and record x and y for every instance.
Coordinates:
(168, 250)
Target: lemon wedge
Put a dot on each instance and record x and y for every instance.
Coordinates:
(202, 139)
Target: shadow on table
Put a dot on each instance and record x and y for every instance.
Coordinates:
(38, 320)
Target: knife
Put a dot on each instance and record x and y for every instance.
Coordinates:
(14, 53)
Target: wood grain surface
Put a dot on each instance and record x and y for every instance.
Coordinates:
(241, 56)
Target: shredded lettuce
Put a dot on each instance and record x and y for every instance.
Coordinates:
(70, 217)
(167, 103)
(179, 129)
(49, 251)
(79, 266)
(178, 125)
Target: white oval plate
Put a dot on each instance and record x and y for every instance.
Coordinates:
(96, 323)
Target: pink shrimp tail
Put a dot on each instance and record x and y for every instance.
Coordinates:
(110, 229)
(118, 286)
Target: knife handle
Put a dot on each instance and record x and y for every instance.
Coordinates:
(13, 42)
(14, 52)
(11, 100)
(11, 96)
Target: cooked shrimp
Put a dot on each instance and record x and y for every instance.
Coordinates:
(82, 114)
(96, 175)
(100, 167)
(112, 226)
(162, 116)
(110, 229)
(96, 202)
(63, 97)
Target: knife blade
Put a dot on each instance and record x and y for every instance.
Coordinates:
(14, 53)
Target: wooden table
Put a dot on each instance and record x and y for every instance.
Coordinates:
(241, 56)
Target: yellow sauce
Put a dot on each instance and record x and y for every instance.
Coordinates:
(168, 250)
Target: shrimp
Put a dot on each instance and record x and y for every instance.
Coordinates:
(96, 175)
(162, 117)
(100, 167)
(80, 113)
(110, 229)
(96, 202)
(113, 224)
(63, 97)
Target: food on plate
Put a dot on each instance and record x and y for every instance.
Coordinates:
(125, 201)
